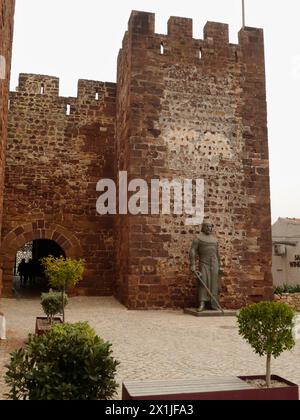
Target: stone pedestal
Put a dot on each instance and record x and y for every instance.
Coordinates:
(209, 314)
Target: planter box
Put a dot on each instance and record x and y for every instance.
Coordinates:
(208, 389)
(287, 392)
(42, 325)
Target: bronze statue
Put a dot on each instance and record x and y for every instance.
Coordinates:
(206, 249)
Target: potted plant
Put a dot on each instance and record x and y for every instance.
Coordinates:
(69, 363)
(52, 305)
(63, 273)
(269, 328)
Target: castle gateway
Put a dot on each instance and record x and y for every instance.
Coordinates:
(181, 108)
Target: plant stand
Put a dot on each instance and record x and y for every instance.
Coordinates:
(43, 327)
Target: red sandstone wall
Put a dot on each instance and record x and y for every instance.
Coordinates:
(197, 111)
(54, 162)
(122, 118)
(6, 34)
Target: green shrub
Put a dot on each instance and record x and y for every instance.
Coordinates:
(286, 288)
(68, 363)
(63, 273)
(52, 304)
(268, 328)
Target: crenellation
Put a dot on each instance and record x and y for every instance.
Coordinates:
(96, 91)
(180, 27)
(195, 99)
(67, 144)
(141, 23)
(217, 32)
(42, 90)
(252, 35)
(38, 84)
(181, 46)
(181, 108)
(87, 89)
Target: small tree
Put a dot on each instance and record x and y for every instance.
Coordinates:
(63, 273)
(268, 328)
(52, 304)
(69, 363)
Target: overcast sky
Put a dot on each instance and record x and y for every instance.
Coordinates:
(75, 39)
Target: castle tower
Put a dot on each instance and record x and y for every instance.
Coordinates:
(183, 108)
(6, 35)
(189, 108)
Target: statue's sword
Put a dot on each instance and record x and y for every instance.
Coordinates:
(199, 277)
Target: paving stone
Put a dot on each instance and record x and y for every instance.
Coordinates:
(154, 344)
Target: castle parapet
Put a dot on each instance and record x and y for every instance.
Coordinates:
(217, 32)
(94, 90)
(180, 27)
(38, 84)
(180, 44)
(142, 23)
(48, 86)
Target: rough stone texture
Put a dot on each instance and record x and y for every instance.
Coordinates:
(196, 109)
(54, 162)
(6, 34)
(293, 300)
(186, 108)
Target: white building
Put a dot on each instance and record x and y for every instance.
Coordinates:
(286, 252)
(2, 327)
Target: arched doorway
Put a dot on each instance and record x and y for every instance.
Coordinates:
(29, 277)
(29, 232)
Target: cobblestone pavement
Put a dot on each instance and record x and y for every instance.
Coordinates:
(153, 344)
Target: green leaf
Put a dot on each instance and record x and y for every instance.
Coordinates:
(268, 327)
(68, 363)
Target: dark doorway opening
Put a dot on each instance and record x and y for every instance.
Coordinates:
(29, 276)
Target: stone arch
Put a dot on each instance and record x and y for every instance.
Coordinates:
(18, 237)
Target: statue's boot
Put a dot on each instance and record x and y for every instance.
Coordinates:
(201, 307)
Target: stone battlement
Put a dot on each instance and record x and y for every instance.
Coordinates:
(35, 84)
(179, 41)
(181, 107)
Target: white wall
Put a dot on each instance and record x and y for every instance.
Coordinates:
(286, 269)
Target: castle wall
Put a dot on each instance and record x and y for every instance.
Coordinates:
(6, 35)
(54, 162)
(182, 108)
(197, 109)
(122, 164)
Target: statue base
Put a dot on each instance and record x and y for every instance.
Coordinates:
(208, 313)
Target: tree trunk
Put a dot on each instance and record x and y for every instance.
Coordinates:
(63, 303)
(268, 377)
